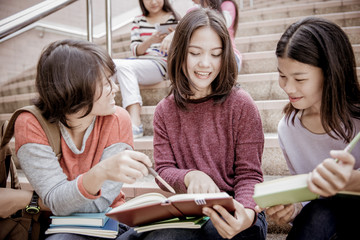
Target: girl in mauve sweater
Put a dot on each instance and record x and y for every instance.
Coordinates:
(207, 133)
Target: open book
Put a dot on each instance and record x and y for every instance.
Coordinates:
(152, 207)
(188, 222)
(291, 189)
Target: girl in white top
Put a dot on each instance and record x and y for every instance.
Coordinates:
(317, 70)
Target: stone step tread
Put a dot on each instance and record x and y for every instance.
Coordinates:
(295, 7)
(289, 20)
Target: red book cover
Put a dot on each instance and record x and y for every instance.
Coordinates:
(152, 207)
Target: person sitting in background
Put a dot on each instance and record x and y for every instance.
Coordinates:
(317, 70)
(148, 66)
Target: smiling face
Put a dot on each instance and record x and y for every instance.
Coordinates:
(303, 83)
(203, 60)
(104, 103)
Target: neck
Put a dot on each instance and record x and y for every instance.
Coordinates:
(78, 127)
(312, 121)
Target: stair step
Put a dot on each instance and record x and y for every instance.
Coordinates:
(271, 26)
(299, 9)
(267, 42)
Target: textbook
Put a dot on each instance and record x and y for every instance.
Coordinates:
(286, 190)
(188, 222)
(109, 230)
(292, 189)
(153, 207)
(81, 219)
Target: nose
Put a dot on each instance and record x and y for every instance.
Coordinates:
(204, 60)
(115, 87)
(288, 86)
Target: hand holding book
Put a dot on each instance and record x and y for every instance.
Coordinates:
(330, 177)
(296, 188)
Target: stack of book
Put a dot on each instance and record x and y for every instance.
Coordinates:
(90, 224)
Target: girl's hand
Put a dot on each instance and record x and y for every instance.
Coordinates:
(165, 44)
(283, 214)
(200, 182)
(228, 225)
(330, 176)
(127, 167)
(157, 37)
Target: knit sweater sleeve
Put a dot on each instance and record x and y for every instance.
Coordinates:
(165, 161)
(248, 151)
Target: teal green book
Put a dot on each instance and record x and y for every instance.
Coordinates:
(188, 222)
(109, 230)
(81, 219)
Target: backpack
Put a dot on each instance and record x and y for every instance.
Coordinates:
(25, 226)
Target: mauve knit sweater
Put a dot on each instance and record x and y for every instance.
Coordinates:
(224, 140)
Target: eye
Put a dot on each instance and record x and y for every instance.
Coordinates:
(216, 55)
(194, 53)
(300, 80)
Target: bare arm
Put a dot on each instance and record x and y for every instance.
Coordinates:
(13, 200)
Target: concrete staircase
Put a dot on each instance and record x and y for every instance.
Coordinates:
(258, 32)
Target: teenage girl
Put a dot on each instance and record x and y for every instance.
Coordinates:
(317, 70)
(207, 133)
(76, 91)
(148, 66)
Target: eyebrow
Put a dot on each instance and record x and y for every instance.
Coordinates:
(192, 46)
(294, 74)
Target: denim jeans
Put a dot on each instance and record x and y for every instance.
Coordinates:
(328, 218)
(208, 231)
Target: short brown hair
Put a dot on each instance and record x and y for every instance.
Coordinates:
(68, 73)
(226, 79)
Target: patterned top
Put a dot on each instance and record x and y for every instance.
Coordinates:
(142, 30)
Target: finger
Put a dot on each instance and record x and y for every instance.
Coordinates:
(343, 156)
(335, 174)
(258, 209)
(140, 157)
(217, 221)
(272, 210)
(318, 185)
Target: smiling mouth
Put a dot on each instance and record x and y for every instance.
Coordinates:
(203, 74)
(294, 99)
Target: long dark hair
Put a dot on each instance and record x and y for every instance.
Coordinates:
(68, 74)
(216, 4)
(323, 44)
(166, 7)
(180, 83)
